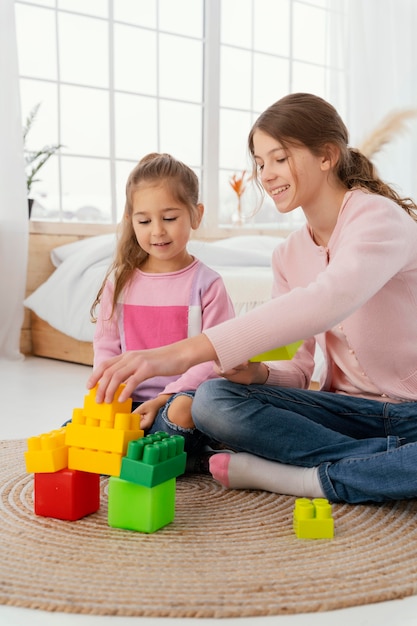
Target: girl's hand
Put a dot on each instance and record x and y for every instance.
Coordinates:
(132, 368)
(246, 374)
(148, 410)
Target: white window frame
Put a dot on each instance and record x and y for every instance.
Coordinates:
(210, 167)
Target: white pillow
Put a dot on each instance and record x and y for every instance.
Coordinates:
(62, 253)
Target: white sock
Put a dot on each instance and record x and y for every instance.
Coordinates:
(246, 471)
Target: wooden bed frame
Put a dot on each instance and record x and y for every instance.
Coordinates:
(37, 336)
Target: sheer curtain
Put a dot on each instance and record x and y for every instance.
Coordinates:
(13, 202)
(382, 78)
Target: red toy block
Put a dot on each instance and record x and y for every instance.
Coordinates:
(67, 494)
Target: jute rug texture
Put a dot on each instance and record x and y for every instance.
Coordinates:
(227, 554)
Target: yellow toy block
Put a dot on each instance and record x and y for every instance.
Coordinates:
(278, 354)
(313, 519)
(94, 461)
(105, 411)
(47, 453)
(102, 437)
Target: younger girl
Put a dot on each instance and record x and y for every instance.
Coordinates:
(156, 293)
(347, 280)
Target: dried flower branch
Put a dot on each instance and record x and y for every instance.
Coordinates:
(392, 124)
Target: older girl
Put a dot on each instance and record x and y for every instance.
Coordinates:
(347, 280)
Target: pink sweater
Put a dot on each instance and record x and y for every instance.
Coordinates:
(364, 284)
(156, 310)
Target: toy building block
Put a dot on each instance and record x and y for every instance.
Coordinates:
(278, 354)
(313, 519)
(94, 461)
(135, 507)
(106, 411)
(83, 433)
(154, 459)
(99, 434)
(47, 452)
(67, 494)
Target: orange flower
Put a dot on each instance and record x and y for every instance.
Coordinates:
(238, 184)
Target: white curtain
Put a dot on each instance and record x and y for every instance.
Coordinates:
(382, 78)
(13, 202)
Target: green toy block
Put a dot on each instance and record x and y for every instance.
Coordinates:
(154, 459)
(313, 519)
(283, 353)
(134, 507)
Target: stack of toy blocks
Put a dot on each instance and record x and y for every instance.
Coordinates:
(67, 463)
(99, 434)
(313, 519)
(143, 497)
(106, 439)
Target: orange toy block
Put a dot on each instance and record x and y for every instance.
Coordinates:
(47, 453)
(105, 411)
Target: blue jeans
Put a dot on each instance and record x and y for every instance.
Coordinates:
(365, 450)
(194, 440)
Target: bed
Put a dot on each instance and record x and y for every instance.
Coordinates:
(66, 272)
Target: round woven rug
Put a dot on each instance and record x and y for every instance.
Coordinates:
(227, 554)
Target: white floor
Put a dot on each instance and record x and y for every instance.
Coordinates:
(38, 395)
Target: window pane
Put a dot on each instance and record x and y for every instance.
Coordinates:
(36, 49)
(140, 12)
(309, 34)
(181, 133)
(85, 121)
(272, 26)
(184, 17)
(45, 3)
(236, 22)
(135, 60)
(44, 130)
(309, 78)
(123, 169)
(98, 8)
(83, 48)
(235, 78)
(180, 68)
(86, 189)
(271, 79)
(46, 191)
(234, 130)
(136, 126)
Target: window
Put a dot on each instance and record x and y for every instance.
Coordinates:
(117, 79)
